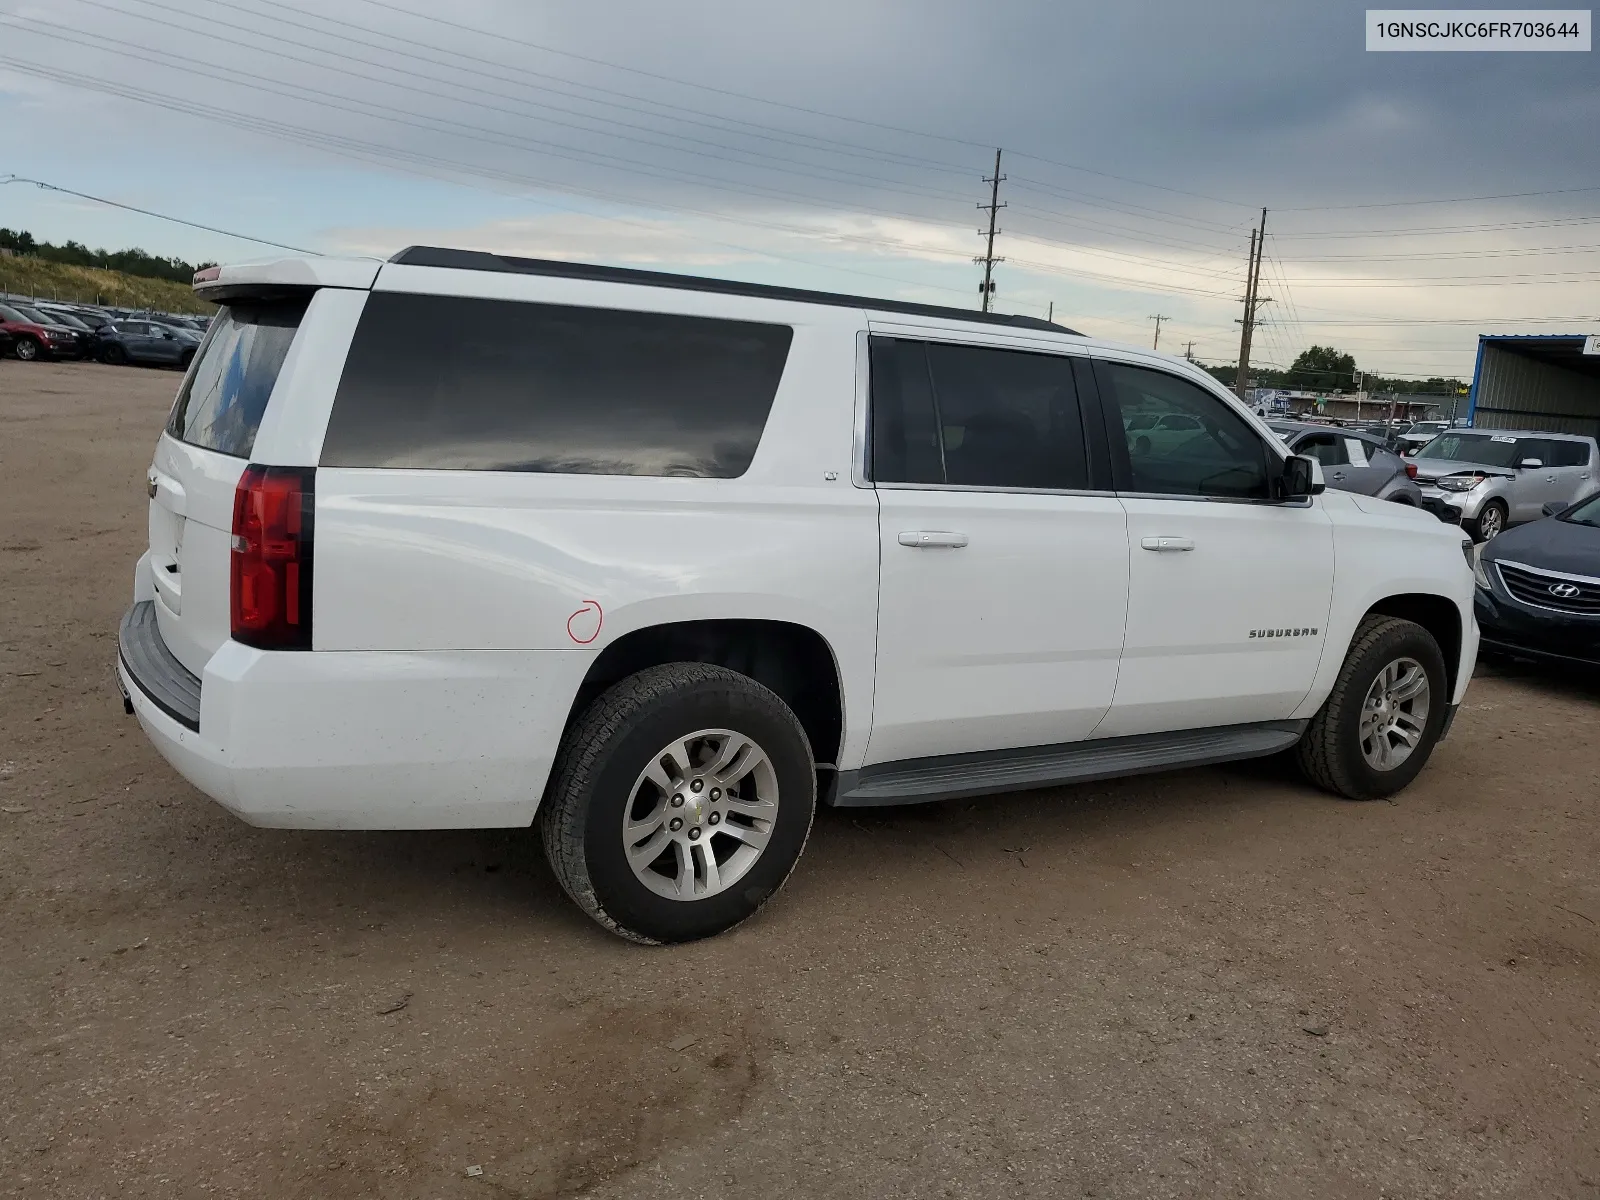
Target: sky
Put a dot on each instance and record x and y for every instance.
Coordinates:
(1414, 200)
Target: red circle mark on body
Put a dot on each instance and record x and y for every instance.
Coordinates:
(578, 624)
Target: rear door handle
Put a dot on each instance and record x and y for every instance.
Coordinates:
(932, 539)
(1166, 545)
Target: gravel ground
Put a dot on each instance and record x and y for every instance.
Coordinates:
(1214, 983)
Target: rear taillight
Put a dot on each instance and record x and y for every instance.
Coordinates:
(1411, 470)
(269, 592)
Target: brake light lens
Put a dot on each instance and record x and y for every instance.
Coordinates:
(1411, 470)
(269, 593)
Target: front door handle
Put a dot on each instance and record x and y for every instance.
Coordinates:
(1337, 475)
(1166, 545)
(932, 539)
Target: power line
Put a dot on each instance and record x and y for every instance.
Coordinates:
(1444, 200)
(776, 163)
(243, 237)
(782, 164)
(1436, 230)
(499, 36)
(388, 157)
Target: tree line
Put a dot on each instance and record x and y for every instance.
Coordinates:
(132, 261)
(1326, 369)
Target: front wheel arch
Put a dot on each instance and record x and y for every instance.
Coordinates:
(1437, 614)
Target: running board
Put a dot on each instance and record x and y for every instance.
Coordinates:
(951, 777)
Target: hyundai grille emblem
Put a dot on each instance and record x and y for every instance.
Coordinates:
(1565, 590)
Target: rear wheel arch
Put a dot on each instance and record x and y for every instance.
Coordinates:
(1437, 614)
(794, 661)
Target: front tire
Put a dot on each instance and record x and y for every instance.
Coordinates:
(114, 355)
(1491, 521)
(1383, 717)
(27, 349)
(679, 802)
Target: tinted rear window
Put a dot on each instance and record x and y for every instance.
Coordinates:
(1570, 454)
(221, 403)
(452, 383)
(973, 416)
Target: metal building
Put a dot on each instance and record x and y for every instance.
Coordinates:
(1537, 381)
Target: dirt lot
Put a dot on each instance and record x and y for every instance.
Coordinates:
(1206, 984)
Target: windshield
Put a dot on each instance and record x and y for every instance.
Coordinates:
(1587, 513)
(37, 317)
(1492, 450)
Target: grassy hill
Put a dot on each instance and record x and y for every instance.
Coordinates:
(41, 280)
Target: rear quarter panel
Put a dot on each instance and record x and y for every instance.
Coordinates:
(419, 560)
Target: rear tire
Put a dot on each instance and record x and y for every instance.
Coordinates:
(606, 822)
(114, 354)
(1343, 749)
(1491, 522)
(27, 349)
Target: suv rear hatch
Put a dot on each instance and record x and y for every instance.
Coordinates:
(198, 461)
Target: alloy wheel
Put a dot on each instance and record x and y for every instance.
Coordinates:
(1394, 714)
(700, 814)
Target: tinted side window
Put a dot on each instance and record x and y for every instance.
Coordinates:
(452, 383)
(975, 417)
(221, 403)
(1211, 453)
(1571, 454)
(905, 444)
(1324, 447)
(1534, 448)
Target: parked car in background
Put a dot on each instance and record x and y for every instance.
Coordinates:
(146, 342)
(1500, 478)
(72, 321)
(1411, 438)
(1353, 461)
(37, 336)
(6, 342)
(1539, 586)
(94, 318)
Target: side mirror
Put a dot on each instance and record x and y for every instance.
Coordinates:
(1528, 464)
(1302, 477)
(1553, 507)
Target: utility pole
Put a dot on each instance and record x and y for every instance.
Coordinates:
(1158, 318)
(1252, 301)
(994, 206)
(1188, 351)
(1051, 315)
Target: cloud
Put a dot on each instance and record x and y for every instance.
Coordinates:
(633, 133)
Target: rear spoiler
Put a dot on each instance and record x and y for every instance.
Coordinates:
(276, 277)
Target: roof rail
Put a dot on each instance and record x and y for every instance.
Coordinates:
(478, 260)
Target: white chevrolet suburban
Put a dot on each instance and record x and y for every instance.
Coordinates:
(662, 562)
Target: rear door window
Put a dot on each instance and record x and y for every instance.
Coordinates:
(459, 383)
(972, 416)
(225, 396)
